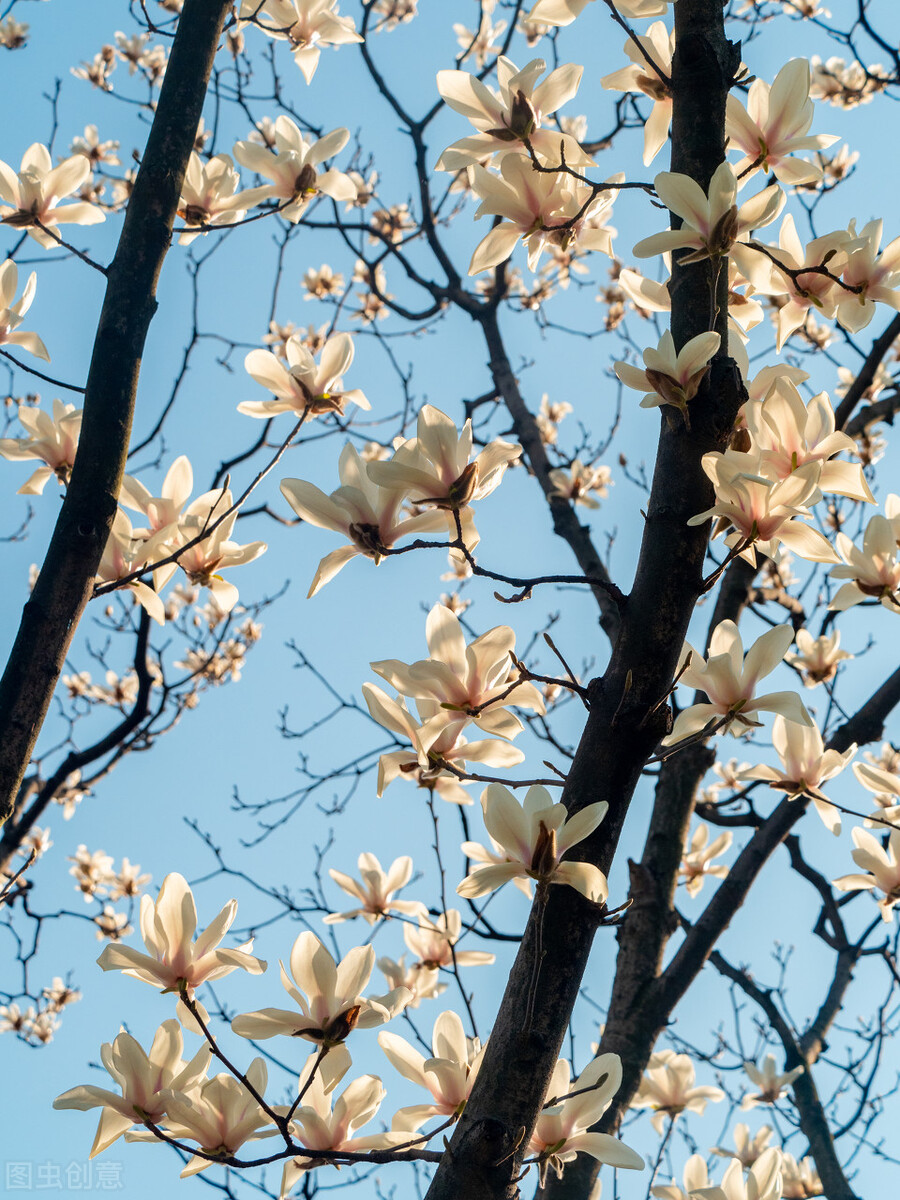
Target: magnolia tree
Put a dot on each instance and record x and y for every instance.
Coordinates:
(749, 296)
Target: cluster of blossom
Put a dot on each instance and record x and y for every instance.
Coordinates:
(136, 51)
(845, 86)
(160, 1095)
(457, 686)
(435, 472)
(38, 1022)
(196, 538)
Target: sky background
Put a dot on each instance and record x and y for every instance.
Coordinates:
(231, 743)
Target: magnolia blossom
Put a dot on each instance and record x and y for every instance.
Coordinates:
(534, 836)
(769, 1082)
(774, 124)
(123, 554)
(423, 983)
(34, 194)
(434, 943)
(52, 440)
(763, 510)
(12, 311)
(220, 1116)
(712, 225)
(730, 681)
(449, 1075)
(209, 196)
(874, 571)
(301, 385)
(577, 483)
(876, 274)
(805, 766)
(434, 467)
(292, 166)
(805, 290)
(541, 208)
(471, 680)
(369, 516)
(747, 1149)
(564, 12)
(163, 512)
(376, 891)
(640, 77)
(763, 1182)
(306, 24)
(800, 1180)
(145, 1081)
(563, 1130)
(175, 962)
(881, 866)
(422, 764)
(327, 995)
(214, 552)
(695, 1176)
(507, 120)
(667, 1087)
(319, 1125)
(789, 434)
(886, 786)
(670, 378)
(697, 861)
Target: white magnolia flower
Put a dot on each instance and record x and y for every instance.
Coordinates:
(774, 124)
(534, 836)
(564, 12)
(563, 1130)
(12, 311)
(449, 1075)
(659, 45)
(817, 658)
(328, 997)
(293, 168)
(805, 766)
(730, 681)
(881, 866)
(769, 1082)
(506, 121)
(667, 1087)
(144, 1080)
(763, 1182)
(376, 891)
(34, 194)
(370, 517)
(299, 383)
(670, 378)
(51, 440)
(306, 25)
(697, 861)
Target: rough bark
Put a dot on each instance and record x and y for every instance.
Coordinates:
(64, 585)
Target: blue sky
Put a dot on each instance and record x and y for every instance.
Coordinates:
(231, 742)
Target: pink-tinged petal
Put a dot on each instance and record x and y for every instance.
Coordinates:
(467, 95)
(446, 641)
(403, 1058)
(353, 971)
(310, 503)
(312, 966)
(506, 821)
(632, 376)
(268, 371)
(666, 241)
(694, 356)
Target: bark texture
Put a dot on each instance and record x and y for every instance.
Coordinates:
(65, 583)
